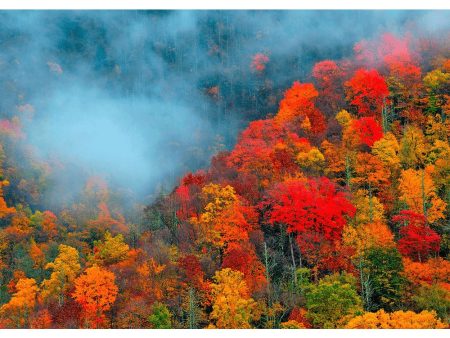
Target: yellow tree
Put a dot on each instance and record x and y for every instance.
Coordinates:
(417, 190)
(224, 219)
(95, 291)
(396, 320)
(233, 308)
(387, 150)
(65, 268)
(21, 304)
(413, 147)
(311, 160)
(111, 250)
(369, 209)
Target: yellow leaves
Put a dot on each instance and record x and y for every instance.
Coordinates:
(387, 149)
(344, 118)
(436, 128)
(224, 219)
(312, 159)
(306, 124)
(110, 251)
(368, 208)
(396, 320)
(418, 192)
(413, 147)
(65, 268)
(435, 79)
(366, 236)
(370, 228)
(232, 306)
(217, 199)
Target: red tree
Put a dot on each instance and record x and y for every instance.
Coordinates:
(367, 129)
(315, 211)
(243, 258)
(418, 241)
(367, 90)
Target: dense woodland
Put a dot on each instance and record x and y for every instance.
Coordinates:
(331, 212)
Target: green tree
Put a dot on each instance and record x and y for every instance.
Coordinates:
(383, 266)
(433, 297)
(160, 317)
(333, 301)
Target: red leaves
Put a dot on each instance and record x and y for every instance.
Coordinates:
(311, 207)
(192, 269)
(367, 90)
(259, 62)
(326, 73)
(266, 150)
(368, 130)
(418, 240)
(244, 259)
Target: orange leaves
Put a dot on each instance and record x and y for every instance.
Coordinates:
(41, 320)
(370, 172)
(19, 228)
(37, 255)
(49, 225)
(225, 221)
(5, 211)
(95, 291)
(106, 221)
(396, 320)
(298, 104)
(21, 303)
(151, 279)
(435, 270)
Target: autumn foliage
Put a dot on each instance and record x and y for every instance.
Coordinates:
(329, 212)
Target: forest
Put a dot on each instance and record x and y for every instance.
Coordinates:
(331, 209)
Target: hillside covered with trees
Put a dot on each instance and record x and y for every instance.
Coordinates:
(330, 212)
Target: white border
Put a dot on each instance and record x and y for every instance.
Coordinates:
(228, 4)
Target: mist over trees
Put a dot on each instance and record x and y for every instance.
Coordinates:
(224, 169)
